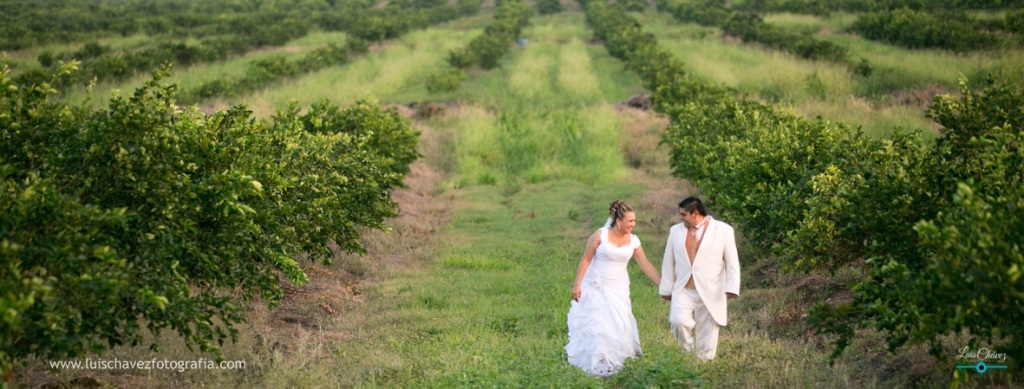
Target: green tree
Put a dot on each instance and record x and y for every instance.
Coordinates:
(144, 213)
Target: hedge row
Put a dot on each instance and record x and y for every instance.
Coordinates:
(825, 7)
(264, 72)
(392, 22)
(98, 63)
(485, 50)
(547, 7)
(142, 214)
(239, 32)
(937, 227)
(750, 27)
(954, 31)
(267, 71)
(31, 23)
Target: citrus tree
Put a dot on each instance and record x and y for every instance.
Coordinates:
(146, 213)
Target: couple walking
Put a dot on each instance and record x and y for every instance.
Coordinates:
(699, 272)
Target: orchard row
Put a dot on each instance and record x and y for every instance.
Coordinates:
(937, 227)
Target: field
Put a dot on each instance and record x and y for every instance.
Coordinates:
(471, 286)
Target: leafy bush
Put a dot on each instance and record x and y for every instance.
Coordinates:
(946, 232)
(750, 27)
(444, 81)
(633, 5)
(938, 226)
(824, 7)
(145, 214)
(547, 7)
(1015, 21)
(922, 29)
(485, 50)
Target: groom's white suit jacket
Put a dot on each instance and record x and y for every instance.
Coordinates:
(715, 270)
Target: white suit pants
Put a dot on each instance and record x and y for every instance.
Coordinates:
(689, 315)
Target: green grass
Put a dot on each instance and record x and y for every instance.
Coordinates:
(393, 74)
(531, 153)
(193, 76)
(905, 68)
(810, 88)
(491, 311)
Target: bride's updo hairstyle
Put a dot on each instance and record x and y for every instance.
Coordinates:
(617, 210)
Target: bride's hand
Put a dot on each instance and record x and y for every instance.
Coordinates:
(576, 292)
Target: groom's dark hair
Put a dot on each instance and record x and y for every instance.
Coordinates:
(691, 204)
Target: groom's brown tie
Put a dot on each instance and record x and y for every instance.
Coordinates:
(691, 243)
(691, 251)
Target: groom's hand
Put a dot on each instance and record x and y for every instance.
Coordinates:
(730, 296)
(667, 298)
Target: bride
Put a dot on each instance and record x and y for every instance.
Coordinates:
(602, 329)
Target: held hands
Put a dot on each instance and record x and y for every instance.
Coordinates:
(728, 296)
(576, 292)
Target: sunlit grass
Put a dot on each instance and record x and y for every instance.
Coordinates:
(576, 77)
(751, 69)
(394, 73)
(857, 112)
(796, 22)
(531, 77)
(899, 68)
(810, 88)
(922, 68)
(500, 326)
(28, 56)
(189, 77)
(512, 149)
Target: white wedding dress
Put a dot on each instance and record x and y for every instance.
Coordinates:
(602, 329)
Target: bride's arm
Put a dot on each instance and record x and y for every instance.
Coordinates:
(645, 265)
(588, 255)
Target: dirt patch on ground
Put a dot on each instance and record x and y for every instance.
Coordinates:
(731, 39)
(642, 136)
(641, 102)
(648, 159)
(423, 110)
(275, 49)
(333, 290)
(921, 98)
(378, 46)
(210, 108)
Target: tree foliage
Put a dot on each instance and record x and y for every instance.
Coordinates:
(750, 27)
(148, 214)
(923, 29)
(485, 50)
(937, 226)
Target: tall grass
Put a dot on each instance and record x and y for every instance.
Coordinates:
(491, 310)
(576, 78)
(195, 75)
(770, 74)
(901, 68)
(811, 88)
(518, 147)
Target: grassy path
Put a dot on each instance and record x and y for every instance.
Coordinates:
(533, 162)
(536, 163)
(490, 308)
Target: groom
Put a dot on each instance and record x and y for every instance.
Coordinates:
(700, 271)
